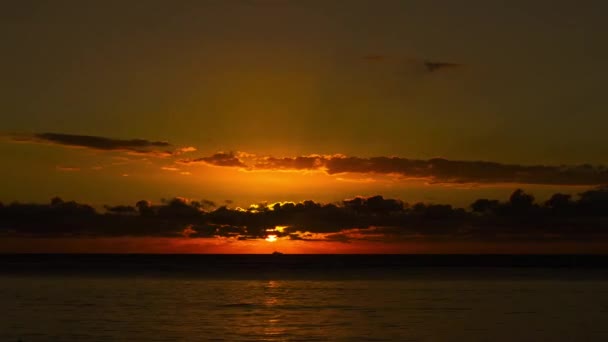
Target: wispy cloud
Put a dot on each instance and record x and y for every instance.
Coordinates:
(185, 150)
(218, 159)
(429, 65)
(436, 66)
(140, 146)
(100, 143)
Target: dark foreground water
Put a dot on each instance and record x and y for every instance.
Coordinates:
(303, 298)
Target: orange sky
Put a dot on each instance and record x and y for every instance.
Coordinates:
(245, 102)
(223, 246)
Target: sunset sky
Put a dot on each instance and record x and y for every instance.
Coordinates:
(244, 102)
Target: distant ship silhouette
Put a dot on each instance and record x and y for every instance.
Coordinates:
(277, 253)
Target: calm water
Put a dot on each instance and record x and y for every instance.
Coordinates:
(406, 304)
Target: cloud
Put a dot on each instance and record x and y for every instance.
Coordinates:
(378, 219)
(100, 143)
(436, 66)
(188, 231)
(183, 150)
(435, 170)
(218, 159)
(297, 163)
(160, 148)
(430, 66)
(439, 170)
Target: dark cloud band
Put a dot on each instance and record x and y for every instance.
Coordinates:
(436, 170)
(97, 142)
(362, 218)
(100, 143)
(436, 66)
(218, 159)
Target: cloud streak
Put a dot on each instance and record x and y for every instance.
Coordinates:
(430, 66)
(217, 159)
(99, 143)
(436, 66)
(435, 170)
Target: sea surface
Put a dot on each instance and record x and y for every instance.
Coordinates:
(303, 298)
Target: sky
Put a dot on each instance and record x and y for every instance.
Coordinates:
(241, 102)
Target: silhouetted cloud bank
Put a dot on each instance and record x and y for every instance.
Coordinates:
(520, 218)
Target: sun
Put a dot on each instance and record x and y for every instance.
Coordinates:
(271, 238)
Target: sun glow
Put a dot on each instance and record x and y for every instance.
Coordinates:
(280, 229)
(271, 238)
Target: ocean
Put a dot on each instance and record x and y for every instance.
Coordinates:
(303, 298)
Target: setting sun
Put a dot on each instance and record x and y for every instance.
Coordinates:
(271, 238)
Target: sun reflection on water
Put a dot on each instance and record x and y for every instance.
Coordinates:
(274, 327)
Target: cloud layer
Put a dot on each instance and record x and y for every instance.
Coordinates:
(218, 159)
(520, 218)
(436, 170)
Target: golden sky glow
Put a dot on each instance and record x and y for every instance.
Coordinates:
(271, 238)
(247, 103)
(173, 245)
